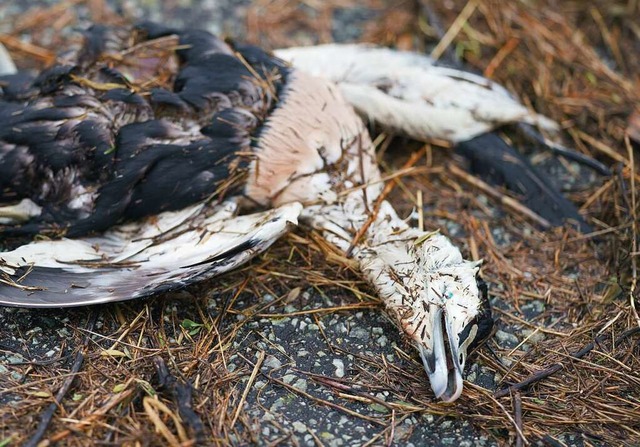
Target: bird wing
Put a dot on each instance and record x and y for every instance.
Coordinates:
(407, 92)
(494, 161)
(166, 252)
(133, 123)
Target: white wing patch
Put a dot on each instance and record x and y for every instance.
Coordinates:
(406, 92)
(7, 67)
(139, 259)
(20, 212)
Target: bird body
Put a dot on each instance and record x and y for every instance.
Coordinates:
(129, 189)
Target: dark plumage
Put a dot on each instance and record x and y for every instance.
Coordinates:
(83, 130)
(495, 161)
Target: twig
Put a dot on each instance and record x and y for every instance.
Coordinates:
(547, 372)
(47, 415)
(607, 150)
(152, 406)
(500, 56)
(506, 413)
(454, 29)
(553, 442)
(634, 232)
(357, 306)
(11, 42)
(517, 409)
(247, 388)
(393, 428)
(420, 207)
(116, 399)
(436, 23)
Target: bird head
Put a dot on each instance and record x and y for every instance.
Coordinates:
(438, 300)
(449, 315)
(457, 319)
(435, 296)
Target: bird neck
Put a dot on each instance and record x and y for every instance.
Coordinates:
(400, 261)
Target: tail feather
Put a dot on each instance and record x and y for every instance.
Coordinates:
(137, 260)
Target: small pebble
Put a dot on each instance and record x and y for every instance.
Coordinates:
(339, 364)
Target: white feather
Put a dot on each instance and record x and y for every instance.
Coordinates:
(406, 92)
(138, 259)
(20, 212)
(7, 67)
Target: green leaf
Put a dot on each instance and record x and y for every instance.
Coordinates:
(146, 387)
(379, 408)
(190, 324)
(5, 442)
(419, 241)
(119, 388)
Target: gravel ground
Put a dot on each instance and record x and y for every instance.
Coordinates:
(296, 345)
(296, 349)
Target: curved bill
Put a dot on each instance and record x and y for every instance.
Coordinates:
(442, 362)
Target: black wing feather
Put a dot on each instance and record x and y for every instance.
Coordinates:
(130, 153)
(498, 163)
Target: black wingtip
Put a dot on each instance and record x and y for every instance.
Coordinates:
(558, 149)
(496, 162)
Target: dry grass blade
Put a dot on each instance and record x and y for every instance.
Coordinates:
(152, 407)
(254, 373)
(454, 29)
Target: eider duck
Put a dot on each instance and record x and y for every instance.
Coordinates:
(152, 158)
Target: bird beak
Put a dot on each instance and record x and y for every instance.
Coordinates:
(442, 362)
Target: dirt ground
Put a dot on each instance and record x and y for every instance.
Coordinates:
(294, 349)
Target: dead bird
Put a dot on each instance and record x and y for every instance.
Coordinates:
(152, 158)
